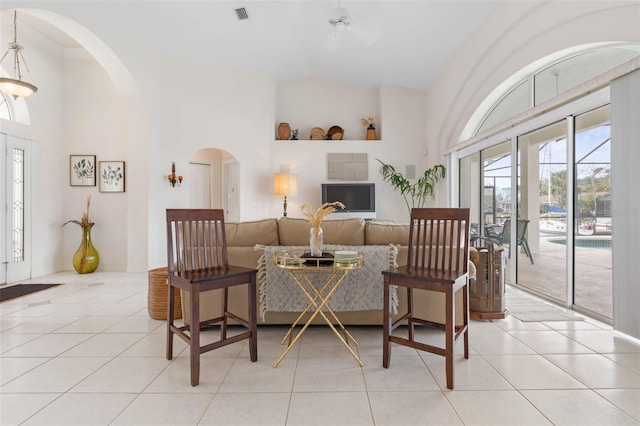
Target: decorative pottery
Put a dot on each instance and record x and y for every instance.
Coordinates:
(284, 131)
(316, 241)
(335, 133)
(371, 133)
(317, 134)
(86, 259)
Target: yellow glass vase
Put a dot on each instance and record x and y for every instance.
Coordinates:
(86, 259)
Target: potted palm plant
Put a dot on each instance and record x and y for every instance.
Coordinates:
(415, 194)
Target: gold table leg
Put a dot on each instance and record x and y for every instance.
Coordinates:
(318, 310)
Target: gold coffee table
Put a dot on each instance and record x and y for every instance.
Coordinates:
(300, 268)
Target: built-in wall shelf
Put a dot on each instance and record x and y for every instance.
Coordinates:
(310, 102)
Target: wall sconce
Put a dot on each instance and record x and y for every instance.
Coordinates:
(173, 179)
(285, 184)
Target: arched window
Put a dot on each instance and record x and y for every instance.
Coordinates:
(5, 107)
(551, 77)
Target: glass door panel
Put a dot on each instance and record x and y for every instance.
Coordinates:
(496, 194)
(541, 252)
(470, 189)
(593, 280)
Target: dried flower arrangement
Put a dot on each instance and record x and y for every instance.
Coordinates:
(370, 122)
(84, 220)
(316, 217)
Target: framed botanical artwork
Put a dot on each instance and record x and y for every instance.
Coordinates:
(82, 170)
(111, 175)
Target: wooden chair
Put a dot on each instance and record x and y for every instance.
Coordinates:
(437, 261)
(198, 261)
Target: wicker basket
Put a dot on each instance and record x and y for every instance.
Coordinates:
(157, 297)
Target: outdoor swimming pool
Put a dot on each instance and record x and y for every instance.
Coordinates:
(601, 243)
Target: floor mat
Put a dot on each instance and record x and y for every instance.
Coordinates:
(534, 312)
(19, 290)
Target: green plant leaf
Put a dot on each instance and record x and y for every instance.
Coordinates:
(417, 192)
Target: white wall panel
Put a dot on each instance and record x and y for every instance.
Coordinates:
(625, 203)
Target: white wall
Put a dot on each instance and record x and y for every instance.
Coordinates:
(94, 123)
(312, 102)
(399, 111)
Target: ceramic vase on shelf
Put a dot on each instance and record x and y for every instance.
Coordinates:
(371, 133)
(315, 241)
(284, 132)
(86, 259)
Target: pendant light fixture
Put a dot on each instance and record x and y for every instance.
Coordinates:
(15, 86)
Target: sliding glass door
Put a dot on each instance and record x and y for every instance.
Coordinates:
(554, 217)
(542, 217)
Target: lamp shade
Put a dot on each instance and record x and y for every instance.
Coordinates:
(285, 184)
(16, 88)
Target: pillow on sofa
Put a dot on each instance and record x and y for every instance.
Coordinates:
(382, 233)
(295, 232)
(248, 234)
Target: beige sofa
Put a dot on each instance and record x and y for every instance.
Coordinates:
(242, 238)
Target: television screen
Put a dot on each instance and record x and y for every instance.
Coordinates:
(356, 197)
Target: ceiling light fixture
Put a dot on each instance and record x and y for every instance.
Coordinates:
(340, 18)
(15, 86)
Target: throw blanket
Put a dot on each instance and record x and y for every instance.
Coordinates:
(361, 289)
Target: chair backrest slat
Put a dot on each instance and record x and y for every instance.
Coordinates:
(196, 239)
(439, 239)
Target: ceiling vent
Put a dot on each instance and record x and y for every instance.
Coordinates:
(242, 13)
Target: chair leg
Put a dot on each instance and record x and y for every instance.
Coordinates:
(387, 321)
(225, 308)
(450, 323)
(527, 250)
(253, 320)
(465, 318)
(170, 305)
(194, 335)
(410, 324)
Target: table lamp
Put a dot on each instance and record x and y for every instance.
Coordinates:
(285, 184)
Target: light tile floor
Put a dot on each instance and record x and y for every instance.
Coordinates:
(87, 353)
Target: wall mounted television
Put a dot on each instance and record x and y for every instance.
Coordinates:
(359, 199)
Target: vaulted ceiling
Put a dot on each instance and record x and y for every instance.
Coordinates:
(405, 43)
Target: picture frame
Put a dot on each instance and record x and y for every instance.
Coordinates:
(82, 170)
(112, 176)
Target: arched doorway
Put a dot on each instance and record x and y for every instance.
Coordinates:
(214, 182)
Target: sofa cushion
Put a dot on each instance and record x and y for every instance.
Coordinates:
(381, 233)
(295, 232)
(343, 231)
(248, 234)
